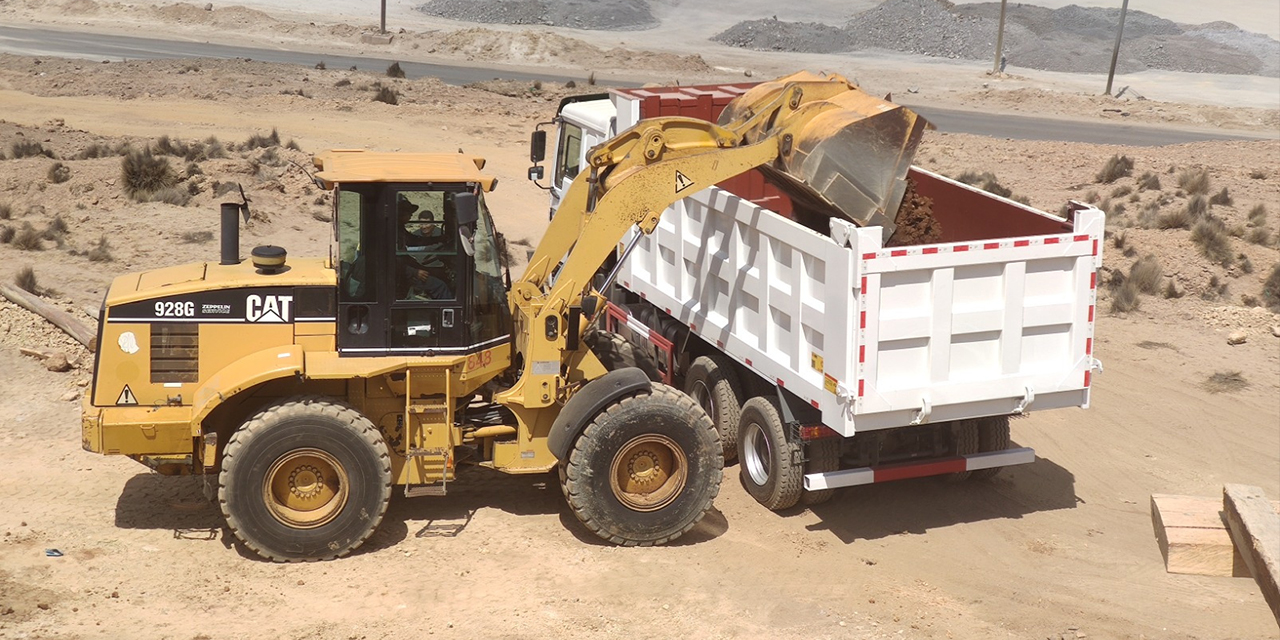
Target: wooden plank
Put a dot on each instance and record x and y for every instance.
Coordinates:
(62, 319)
(1255, 527)
(1193, 537)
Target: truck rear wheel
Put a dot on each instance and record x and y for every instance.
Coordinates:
(305, 479)
(965, 437)
(769, 464)
(645, 470)
(822, 456)
(993, 435)
(713, 384)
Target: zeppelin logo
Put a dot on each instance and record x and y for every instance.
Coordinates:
(267, 308)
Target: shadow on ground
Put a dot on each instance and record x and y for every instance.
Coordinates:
(916, 506)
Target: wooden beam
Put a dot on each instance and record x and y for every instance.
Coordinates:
(1193, 536)
(1255, 527)
(62, 319)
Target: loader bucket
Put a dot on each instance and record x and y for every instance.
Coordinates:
(849, 151)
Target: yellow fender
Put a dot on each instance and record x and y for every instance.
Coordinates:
(253, 369)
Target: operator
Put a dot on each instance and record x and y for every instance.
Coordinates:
(416, 279)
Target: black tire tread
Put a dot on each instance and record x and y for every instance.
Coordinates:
(790, 483)
(993, 435)
(722, 381)
(616, 352)
(966, 441)
(306, 405)
(823, 456)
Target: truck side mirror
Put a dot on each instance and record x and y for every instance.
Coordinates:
(466, 208)
(538, 146)
(535, 173)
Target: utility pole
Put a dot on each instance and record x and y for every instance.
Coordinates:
(1115, 53)
(384, 19)
(1000, 38)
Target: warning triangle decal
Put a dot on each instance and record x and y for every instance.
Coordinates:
(126, 397)
(682, 182)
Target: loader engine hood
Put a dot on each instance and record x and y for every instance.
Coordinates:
(208, 277)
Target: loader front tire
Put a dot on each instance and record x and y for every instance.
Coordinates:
(645, 470)
(307, 478)
(616, 352)
(769, 463)
(712, 382)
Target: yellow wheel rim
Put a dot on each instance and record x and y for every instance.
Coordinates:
(305, 488)
(648, 472)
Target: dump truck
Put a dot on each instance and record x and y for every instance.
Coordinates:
(827, 354)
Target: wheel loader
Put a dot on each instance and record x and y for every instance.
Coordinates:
(305, 389)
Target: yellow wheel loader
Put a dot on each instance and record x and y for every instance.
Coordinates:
(304, 389)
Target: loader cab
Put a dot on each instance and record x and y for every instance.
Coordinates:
(418, 268)
(582, 123)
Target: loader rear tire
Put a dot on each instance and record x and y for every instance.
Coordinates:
(965, 434)
(645, 470)
(769, 464)
(307, 478)
(993, 435)
(713, 383)
(615, 352)
(822, 456)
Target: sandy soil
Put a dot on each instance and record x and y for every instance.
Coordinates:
(1058, 548)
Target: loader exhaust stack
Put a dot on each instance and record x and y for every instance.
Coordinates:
(230, 233)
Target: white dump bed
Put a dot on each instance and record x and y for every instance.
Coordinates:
(874, 337)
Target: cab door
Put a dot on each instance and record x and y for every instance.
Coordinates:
(426, 271)
(362, 319)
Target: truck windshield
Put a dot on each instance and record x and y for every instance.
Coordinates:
(568, 153)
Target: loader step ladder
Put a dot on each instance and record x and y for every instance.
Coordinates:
(433, 412)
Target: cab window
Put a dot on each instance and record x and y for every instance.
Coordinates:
(490, 317)
(426, 246)
(568, 153)
(353, 264)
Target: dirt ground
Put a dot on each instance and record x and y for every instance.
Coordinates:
(1060, 548)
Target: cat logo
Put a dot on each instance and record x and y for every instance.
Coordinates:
(267, 308)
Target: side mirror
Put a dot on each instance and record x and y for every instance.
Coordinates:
(467, 209)
(538, 146)
(535, 173)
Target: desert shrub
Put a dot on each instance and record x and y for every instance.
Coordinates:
(1119, 239)
(171, 195)
(197, 237)
(394, 71)
(1222, 197)
(342, 83)
(1091, 197)
(1245, 264)
(353, 67)
(1149, 182)
(591, 78)
(1259, 236)
(1197, 206)
(1214, 290)
(192, 169)
(1117, 209)
(59, 173)
(1225, 382)
(143, 174)
(1175, 219)
(55, 229)
(1146, 274)
(27, 238)
(536, 87)
(1194, 181)
(213, 148)
(1258, 215)
(1210, 236)
(101, 251)
(1125, 298)
(29, 149)
(1258, 174)
(1135, 198)
(320, 65)
(1271, 289)
(1117, 167)
(387, 95)
(6, 211)
(1173, 291)
(95, 150)
(1121, 191)
(26, 280)
(259, 141)
(6, 234)
(166, 146)
(293, 145)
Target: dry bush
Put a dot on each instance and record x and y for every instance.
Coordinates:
(1215, 289)
(95, 150)
(28, 239)
(1117, 209)
(342, 83)
(1210, 235)
(1149, 182)
(1135, 198)
(1197, 206)
(1121, 191)
(591, 78)
(1194, 181)
(1258, 174)
(170, 195)
(1091, 197)
(29, 149)
(1119, 239)
(1225, 382)
(1249, 301)
(197, 237)
(293, 145)
(1260, 236)
(1125, 298)
(394, 71)
(258, 141)
(320, 65)
(101, 251)
(1258, 215)
(192, 169)
(1176, 219)
(1105, 205)
(1271, 289)
(1245, 264)
(59, 173)
(1115, 168)
(6, 234)
(1222, 197)
(143, 175)
(26, 280)
(1146, 274)
(387, 95)
(6, 211)
(213, 148)
(1172, 291)
(166, 146)
(56, 229)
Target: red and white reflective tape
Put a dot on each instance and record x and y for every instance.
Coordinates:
(918, 469)
(978, 246)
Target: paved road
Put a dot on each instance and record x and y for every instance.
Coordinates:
(70, 44)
